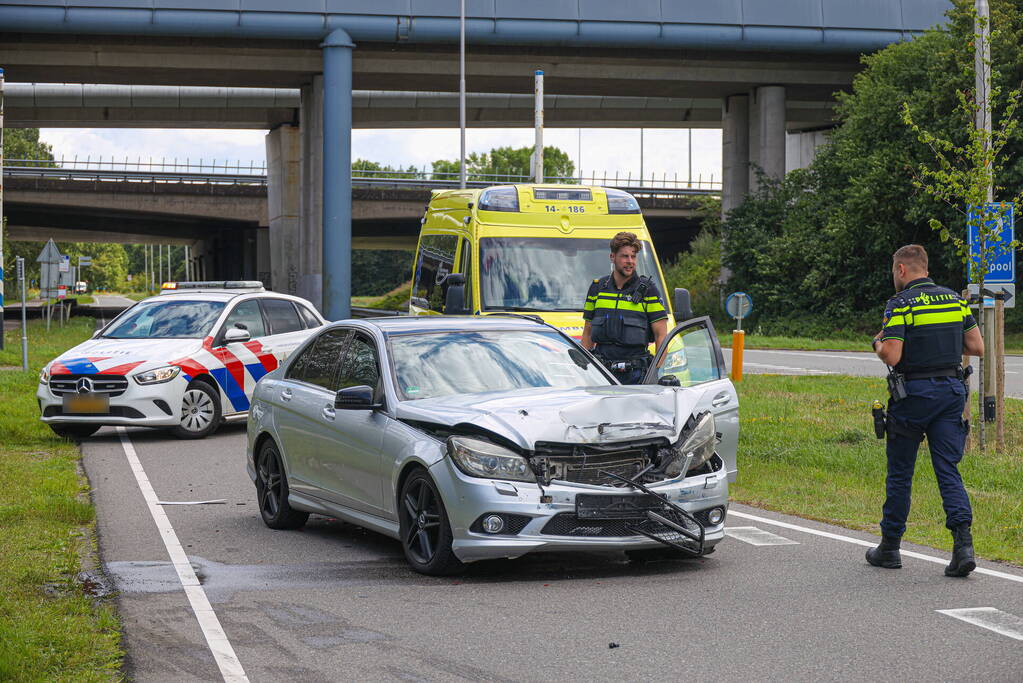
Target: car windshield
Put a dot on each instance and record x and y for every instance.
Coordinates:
(443, 363)
(167, 320)
(547, 273)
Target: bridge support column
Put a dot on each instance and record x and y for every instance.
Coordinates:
(735, 151)
(337, 175)
(310, 244)
(283, 195)
(767, 133)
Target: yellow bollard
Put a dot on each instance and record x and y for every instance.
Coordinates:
(738, 346)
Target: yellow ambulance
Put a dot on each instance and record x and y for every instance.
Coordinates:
(526, 249)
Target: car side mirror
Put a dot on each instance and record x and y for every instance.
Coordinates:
(355, 398)
(236, 334)
(683, 305)
(454, 299)
(669, 381)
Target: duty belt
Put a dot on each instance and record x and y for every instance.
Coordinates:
(927, 374)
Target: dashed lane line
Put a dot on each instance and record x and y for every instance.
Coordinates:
(216, 639)
(868, 544)
(990, 618)
(755, 536)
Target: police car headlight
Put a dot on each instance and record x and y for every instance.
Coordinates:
(44, 374)
(158, 376)
(483, 459)
(700, 444)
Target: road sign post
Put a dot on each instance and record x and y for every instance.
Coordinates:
(20, 265)
(738, 305)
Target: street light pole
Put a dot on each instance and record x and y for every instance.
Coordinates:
(461, 93)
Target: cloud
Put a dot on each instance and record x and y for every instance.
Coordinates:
(595, 150)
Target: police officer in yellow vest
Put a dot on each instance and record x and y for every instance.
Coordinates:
(624, 312)
(927, 329)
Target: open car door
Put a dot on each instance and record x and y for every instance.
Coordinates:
(692, 354)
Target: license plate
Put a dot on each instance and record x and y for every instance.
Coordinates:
(89, 404)
(601, 507)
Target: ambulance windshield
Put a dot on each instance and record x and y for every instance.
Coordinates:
(547, 274)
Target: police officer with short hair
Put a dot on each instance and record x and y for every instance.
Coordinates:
(624, 312)
(926, 330)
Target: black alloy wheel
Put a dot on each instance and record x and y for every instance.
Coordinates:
(272, 491)
(425, 531)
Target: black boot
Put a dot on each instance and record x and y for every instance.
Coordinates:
(887, 554)
(963, 561)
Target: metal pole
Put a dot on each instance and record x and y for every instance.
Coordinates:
(337, 176)
(145, 266)
(982, 81)
(461, 94)
(538, 128)
(24, 324)
(641, 157)
(1, 209)
(690, 156)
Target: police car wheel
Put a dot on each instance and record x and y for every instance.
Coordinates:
(70, 431)
(200, 412)
(272, 490)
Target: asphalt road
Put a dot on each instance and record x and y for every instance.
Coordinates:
(850, 363)
(332, 602)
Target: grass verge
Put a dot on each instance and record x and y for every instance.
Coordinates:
(807, 448)
(1013, 343)
(49, 629)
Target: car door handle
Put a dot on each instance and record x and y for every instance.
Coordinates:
(286, 395)
(328, 412)
(720, 400)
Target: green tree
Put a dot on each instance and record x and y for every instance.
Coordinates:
(699, 268)
(21, 143)
(363, 168)
(817, 244)
(24, 143)
(508, 164)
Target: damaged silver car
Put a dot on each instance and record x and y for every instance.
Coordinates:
(468, 438)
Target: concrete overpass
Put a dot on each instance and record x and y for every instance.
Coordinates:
(227, 223)
(754, 56)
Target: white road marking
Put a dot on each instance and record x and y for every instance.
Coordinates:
(990, 618)
(868, 544)
(755, 536)
(230, 667)
(220, 501)
(786, 367)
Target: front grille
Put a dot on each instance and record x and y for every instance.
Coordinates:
(588, 469)
(567, 524)
(112, 385)
(115, 411)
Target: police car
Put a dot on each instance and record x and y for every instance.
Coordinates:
(187, 359)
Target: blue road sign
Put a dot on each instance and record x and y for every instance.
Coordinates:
(739, 305)
(1002, 264)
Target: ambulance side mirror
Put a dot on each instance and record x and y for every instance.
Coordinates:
(454, 298)
(683, 305)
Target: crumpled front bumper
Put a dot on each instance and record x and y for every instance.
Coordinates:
(467, 499)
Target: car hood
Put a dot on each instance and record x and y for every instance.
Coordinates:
(579, 415)
(119, 356)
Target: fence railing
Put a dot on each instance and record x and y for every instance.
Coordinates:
(212, 172)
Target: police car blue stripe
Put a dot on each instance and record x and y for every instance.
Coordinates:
(80, 366)
(235, 393)
(256, 370)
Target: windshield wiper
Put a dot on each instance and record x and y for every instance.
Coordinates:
(526, 309)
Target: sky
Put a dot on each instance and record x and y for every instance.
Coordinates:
(601, 149)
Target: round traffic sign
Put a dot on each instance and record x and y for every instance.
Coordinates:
(739, 305)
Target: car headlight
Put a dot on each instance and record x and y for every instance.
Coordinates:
(44, 374)
(158, 375)
(479, 458)
(700, 443)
